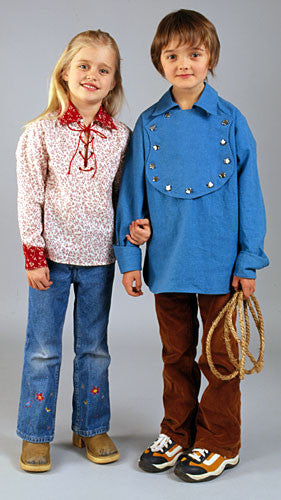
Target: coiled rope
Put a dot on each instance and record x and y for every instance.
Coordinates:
(244, 341)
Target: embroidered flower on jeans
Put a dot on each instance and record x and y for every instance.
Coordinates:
(47, 409)
(95, 390)
(86, 401)
(39, 396)
(28, 404)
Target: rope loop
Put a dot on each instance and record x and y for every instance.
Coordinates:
(243, 341)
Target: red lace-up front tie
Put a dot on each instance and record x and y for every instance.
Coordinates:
(89, 132)
(72, 116)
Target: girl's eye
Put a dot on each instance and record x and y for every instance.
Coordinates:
(83, 66)
(195, 54)
(104, 71)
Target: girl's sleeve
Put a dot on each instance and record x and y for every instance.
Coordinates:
(132, 201)
(252, 221)
(32, 163)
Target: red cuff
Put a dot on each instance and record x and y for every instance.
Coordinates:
(34, 257)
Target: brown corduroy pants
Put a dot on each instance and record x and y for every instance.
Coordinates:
(214, 423)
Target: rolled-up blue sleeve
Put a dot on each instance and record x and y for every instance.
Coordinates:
(252, 221)
(132, 201)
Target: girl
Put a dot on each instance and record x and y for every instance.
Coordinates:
(69, 169)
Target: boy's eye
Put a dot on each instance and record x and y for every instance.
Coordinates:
(172, 56)
(195, 54)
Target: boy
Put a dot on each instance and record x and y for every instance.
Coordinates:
(191, 169)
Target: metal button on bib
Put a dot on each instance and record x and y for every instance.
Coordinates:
(210, 184)
(227, 161)
(156, 147)
(152, 166)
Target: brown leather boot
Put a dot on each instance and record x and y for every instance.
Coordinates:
(35, 457)
(100, 448)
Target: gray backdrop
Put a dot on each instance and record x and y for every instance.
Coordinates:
(33, 34)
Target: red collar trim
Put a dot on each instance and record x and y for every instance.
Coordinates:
(72, 115)
(105, 119)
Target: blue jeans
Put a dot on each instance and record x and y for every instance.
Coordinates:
(42, 359)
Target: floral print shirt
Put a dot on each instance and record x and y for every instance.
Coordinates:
(68, 182)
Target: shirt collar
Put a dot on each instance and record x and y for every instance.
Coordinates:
(72, 115)
(207, 101)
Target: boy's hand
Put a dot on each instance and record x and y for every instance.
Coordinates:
(39, 278)
(140, 231)
(248, 286)
(128, 282)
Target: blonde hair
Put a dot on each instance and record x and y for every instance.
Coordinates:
(188, 26)
(58, 90)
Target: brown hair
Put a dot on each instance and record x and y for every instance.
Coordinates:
(58, 91)
(187, 26)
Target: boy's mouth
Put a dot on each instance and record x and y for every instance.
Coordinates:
(185, 75)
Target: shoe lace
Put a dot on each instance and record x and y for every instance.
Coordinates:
(162, 442)
(198, 454)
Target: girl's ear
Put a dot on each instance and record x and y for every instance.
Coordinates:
(64, 75)
(113, 85)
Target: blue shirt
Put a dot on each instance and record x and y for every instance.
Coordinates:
(193, 173)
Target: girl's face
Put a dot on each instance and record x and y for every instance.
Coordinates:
(90, 75)
(185, 67)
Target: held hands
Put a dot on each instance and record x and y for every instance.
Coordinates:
(39, 278)
(128, 282)
(140, 231)
(248, 286)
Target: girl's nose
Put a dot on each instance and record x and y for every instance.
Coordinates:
(91, 75)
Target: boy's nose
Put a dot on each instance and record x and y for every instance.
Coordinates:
(184, 63)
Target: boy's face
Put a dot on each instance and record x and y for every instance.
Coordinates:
(185, 66)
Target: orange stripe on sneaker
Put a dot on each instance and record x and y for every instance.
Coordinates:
(209, 468)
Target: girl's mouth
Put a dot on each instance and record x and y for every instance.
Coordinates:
(89, 86)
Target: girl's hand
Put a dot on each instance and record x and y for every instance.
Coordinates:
(248, 286)
(39, 278)
(128, 282)
(140, 231)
